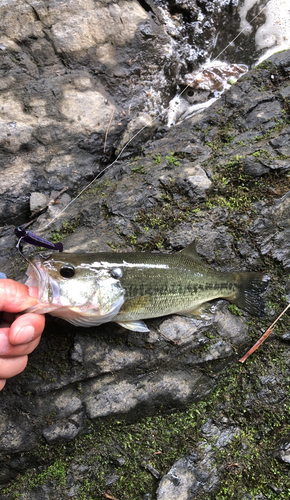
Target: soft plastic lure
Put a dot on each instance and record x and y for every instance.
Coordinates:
(33, 239)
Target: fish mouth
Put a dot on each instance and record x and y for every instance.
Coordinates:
(43, 287)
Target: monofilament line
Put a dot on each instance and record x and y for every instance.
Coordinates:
(145, 126)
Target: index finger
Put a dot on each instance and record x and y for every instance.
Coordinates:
(14, 296)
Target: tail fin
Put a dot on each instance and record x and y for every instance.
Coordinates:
(247, 293)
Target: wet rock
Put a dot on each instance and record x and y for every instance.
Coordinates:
(221, 435)
(231, 327)
(119, 461)
(143, 127)
(6, 474)
(51, 108)
(248, 252)
(274, 242)
(254, 168)
(63, 405)
(127, 398)
(197, 473)
(188, 477)
(153, 471)
(38, 201)
(265, 114)
(194, 182)
(275, 489)
(17, 435)
(277, 165)
(51, 115)
(182, 330)
(37, 493)
(286, 336)
(270, 391)
(281, 143)
(15, 186)
(111, 479)
(282, 452)
(67, 430)
(212, 242)
(82, 28)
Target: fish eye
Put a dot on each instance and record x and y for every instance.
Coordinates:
(67, 271)
(116, 272)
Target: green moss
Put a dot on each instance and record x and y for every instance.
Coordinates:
(214, 146)
(67, 228)
(133, 239)
(234, 310)
(24, 267)
(157, 159)
(261, 153)
(279, 126)
(56, 236)
(172, 160)
(55, 472)
(264, 65)
(138, 170)
(113, 246)
(236, 190)
(160, 243)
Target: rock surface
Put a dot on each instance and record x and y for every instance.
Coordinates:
(196, 474)
(73, 86)
(188, 477)
(221, 177)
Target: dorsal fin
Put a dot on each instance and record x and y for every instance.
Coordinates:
(190, 251)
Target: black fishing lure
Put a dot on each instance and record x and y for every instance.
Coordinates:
(33, 239)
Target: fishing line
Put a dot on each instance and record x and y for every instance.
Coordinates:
(139, 131)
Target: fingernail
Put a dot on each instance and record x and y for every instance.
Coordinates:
(24, 335)
(33, 292)
(4, 344)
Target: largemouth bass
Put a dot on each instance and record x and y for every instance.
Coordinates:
(91, 289)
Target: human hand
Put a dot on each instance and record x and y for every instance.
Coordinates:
(19, 334)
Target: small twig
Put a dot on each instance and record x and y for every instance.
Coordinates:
(261, 340)
(25, 226)
(57, 196)
(170, 340)
(109, 496)
(108, 128)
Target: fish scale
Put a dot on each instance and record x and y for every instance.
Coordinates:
(179, 294)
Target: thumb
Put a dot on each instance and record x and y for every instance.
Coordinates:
(14, 296)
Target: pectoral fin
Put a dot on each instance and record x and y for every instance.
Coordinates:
(135, 326)
(135, 304)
